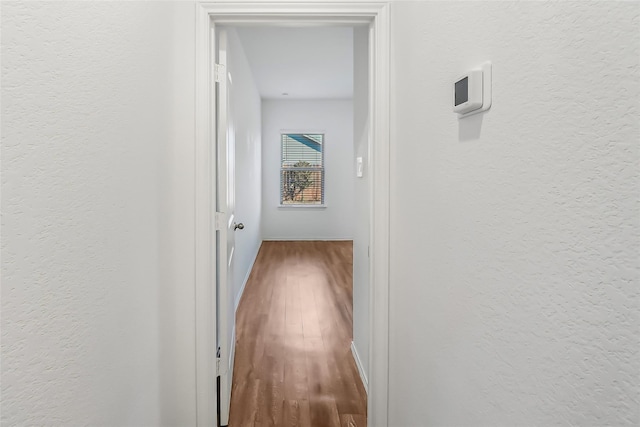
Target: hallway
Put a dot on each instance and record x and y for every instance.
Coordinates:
(293, 362)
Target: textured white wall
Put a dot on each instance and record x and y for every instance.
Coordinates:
(97, 213)
(361, 196)
(514, 272)
(335, 118)
(245, 103)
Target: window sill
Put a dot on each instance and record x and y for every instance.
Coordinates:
(302, 207)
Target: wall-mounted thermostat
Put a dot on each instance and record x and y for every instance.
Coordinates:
(472, 91)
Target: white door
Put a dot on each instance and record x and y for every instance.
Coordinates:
(226, 224)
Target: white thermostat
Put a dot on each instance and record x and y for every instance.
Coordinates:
(472, 91)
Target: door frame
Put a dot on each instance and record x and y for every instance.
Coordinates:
(376, 15)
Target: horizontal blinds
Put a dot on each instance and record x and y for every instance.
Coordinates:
(298, 148)
(302, 169)
(302, 186)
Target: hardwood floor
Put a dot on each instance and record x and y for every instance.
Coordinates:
(293, 362)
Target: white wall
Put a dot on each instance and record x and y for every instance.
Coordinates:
(97, 221)
(334, 118)
(514, 271)
(245, 104)
(361, 197)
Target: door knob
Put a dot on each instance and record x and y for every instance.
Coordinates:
(238, 226)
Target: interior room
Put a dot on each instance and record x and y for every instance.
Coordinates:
(298, 95)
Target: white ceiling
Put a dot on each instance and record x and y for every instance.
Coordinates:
(305, 63)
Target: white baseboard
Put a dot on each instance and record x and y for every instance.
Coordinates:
(226, 382)
(236, 303)
(232, 353)
(363, 375)
(308, 239)
(227, 379)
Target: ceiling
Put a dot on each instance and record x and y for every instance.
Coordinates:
(304, 63)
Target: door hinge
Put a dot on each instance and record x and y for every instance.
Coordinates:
(218, 361)
(218, 72)
(220, 219)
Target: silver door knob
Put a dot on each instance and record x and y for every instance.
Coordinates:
(238, 226)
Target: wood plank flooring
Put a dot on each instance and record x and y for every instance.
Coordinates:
(293, 363)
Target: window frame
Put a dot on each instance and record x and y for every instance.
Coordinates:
(323, 201)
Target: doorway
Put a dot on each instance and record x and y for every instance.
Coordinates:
(294, 94)
(376, 17)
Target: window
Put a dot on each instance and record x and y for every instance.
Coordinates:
(302, 169)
